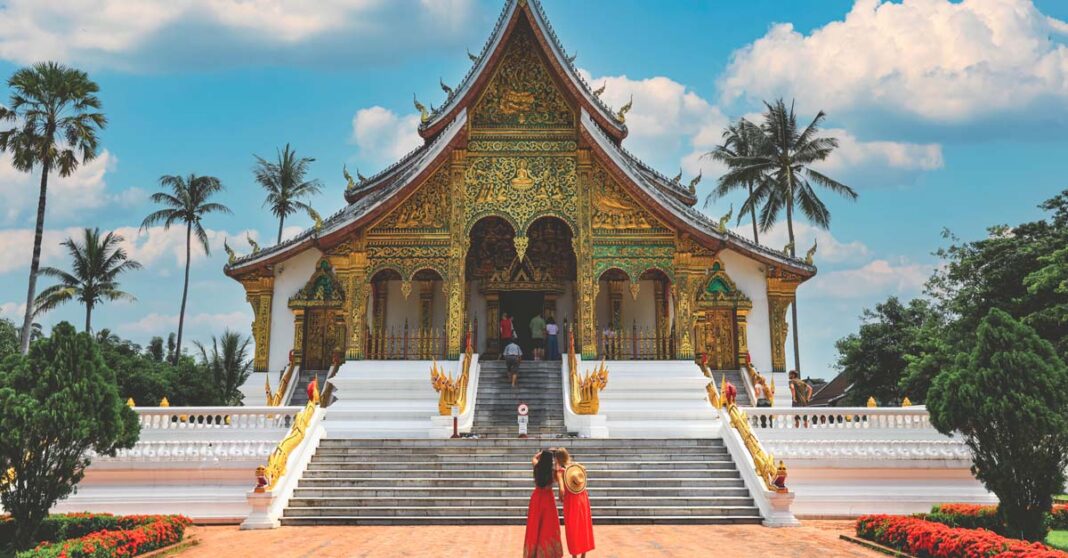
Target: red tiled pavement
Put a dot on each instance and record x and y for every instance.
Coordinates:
(817, 539)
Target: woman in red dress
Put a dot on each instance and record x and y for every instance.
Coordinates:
(543, 525)
(577, 517)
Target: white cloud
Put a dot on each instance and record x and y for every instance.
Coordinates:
(382, 136)
(876, 278)
(16, 247)
(134, 34)
(205, 324)
(68, 197)
(13, 311)
(935, 60)
(829, 249)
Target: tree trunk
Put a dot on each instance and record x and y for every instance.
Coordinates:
(793, 305)
(281, 220)
(185, 292)
(752, 213)
(35, 262)
(88, 318)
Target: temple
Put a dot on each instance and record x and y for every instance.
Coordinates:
(522, 199)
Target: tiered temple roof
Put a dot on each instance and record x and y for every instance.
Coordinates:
(446, 127)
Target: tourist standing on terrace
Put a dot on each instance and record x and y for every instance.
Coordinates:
(799, 389)
(571, 478)
(507, 330)
(552, 339)
(542, 538)
(537, 336)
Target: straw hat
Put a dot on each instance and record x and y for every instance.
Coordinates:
(575, 478)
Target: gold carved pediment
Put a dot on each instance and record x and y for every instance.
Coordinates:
(428, 208)
(614, 209)
(522, 93)
(322, 290)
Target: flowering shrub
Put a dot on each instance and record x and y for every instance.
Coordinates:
(927, 539)
(124, 536)
(975, 516)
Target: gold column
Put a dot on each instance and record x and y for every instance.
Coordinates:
(741, 317)
(356, 305)
(781, 291)
(378, 305)
(426, 305)
(660, 318)
(493, 323)
(586, 283)
(685, 320)
(458, 244)
(298, 334)
(259, 292)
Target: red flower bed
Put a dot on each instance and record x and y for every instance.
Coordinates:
(927, 539)
(132, 535)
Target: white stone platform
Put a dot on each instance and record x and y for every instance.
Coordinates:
(656, 399)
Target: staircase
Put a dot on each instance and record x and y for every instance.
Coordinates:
(538, 386)
(734, 377)
(300, 391)
(489, 481)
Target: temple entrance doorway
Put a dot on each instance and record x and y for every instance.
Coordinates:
(318, 341)
(522, 306)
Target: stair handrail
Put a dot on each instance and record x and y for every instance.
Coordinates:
(452, 392)
(585, 389)
(755, 379)
(275, 398)
(328, 387)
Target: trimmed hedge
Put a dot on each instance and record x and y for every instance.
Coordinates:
(84, 535)
(929, 539)
(975, 516)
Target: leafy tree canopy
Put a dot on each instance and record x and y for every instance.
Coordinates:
(1007, 396)
(57, 404)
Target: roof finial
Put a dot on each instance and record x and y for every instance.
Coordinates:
(695, 181)
(809, 256)
(723, 221)
(472, 56)
(448, 90)
(231, 256)
(678, 178)
(621, 116)
(315, 217)
(597, 92)
(360, 176)
(423, 114)
(255, 246)
(571, 59)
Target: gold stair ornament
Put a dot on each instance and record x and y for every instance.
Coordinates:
(585, 389)
(452, 392)
(906, 402)
(274, 398)
(872, 403)
(130, 403)
(164, 403)
(276, 463)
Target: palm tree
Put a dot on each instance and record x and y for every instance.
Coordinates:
(229, 365)
(783, 177)
(743, 139)
(56, 123)
(187, 203)
(97, 264)
(285, 184)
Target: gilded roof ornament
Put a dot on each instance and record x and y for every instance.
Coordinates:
(722, 226)
(317, 218)
(811, 253)
(621, 116)
(787, 249)
(448, 90)
(423, 114)
(695, 182)
(678, 178)
(255, 246)
(571, 59)
(472, 56)
(231, 256)
(597, 92)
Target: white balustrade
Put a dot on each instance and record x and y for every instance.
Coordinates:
(215, 418)
(838, 418)
(193, 450)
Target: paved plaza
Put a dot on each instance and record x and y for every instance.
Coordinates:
(813, 538)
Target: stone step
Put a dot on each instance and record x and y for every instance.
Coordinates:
(742, 519)
(628, 443)
(345, 479)
(505, 511)
(454, 491)
(522, 466)
(595, 502)
(519, 473)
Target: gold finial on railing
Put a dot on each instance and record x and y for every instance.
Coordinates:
(906, 402)
(585, 389)
(130, 402)
(871, 402)
(164, 403)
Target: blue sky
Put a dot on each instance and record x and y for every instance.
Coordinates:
(950, 114)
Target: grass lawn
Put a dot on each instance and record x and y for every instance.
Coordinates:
(1058, 539)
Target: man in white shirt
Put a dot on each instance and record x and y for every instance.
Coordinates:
(513, 354)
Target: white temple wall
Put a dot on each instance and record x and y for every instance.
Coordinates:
(640, 311)
(749, 276)
(289, 277)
